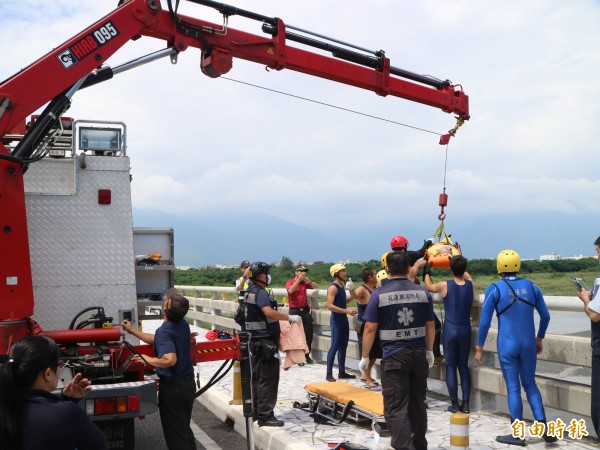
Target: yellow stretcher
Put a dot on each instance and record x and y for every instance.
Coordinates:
(340, 401)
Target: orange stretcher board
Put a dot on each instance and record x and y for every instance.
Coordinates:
(340, 401)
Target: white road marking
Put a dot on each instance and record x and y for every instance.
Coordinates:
(204, 438)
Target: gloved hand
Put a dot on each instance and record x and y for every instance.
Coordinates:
(295, 319)
(430, 358)
(427, 270)
(363, 364)
(428, 242)
(349, 284)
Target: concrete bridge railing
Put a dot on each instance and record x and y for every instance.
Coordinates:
(209, 306)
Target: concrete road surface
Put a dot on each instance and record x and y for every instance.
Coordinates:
(211, 433)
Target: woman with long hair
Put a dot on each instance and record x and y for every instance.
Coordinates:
(31, 416)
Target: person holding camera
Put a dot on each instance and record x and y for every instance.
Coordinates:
(262, 322)
(591, 306)
(242, 282)
(298, 303)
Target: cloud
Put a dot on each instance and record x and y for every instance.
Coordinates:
(202, 145)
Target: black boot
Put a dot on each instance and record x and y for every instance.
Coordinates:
(464, 407)
(453, 394)
(454, 406)
(510, 439)
(546, 437)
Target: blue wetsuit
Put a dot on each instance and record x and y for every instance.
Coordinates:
(456, 336)
(516, 338)
(340, 333)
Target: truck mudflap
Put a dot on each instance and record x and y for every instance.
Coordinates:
(119, 401)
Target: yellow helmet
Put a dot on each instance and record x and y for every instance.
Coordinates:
(333, 270)
(381, 275)
(508, 261)
(384, 259)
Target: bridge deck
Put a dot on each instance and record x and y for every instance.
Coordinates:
(301, 431)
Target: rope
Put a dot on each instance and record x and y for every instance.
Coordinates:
(445, 168)
(334, 106)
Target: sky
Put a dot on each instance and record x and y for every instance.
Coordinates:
(524, 166)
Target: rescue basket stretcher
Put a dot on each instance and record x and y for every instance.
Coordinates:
(339, 401)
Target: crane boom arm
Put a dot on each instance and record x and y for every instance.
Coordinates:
(60, 69)
(81, 61)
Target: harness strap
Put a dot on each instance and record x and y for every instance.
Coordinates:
(515, 299)
(347, 410)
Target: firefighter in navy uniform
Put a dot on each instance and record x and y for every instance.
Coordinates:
(262, 322)
(402, 312)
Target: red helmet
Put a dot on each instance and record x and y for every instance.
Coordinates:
(399, 242)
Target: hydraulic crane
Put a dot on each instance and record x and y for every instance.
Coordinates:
(81, 62)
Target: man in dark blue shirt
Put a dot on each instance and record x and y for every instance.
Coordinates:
(262, 322)
(402, 313)
(174, 367)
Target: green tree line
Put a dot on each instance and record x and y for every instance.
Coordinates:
(553, 277)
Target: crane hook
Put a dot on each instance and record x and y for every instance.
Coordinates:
(443, 202)
(445, 138)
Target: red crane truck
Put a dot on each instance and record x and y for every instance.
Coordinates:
(94, 168)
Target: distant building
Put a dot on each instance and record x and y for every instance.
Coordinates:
(555, 257)
(551, 257)
(183, 267)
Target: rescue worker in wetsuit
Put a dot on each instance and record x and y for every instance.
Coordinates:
(514, 299)
(402, 313)
(458, 294)
(338, 322)
(262, 322)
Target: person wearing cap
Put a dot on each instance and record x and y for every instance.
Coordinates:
(261, 320)
(340, 329)
(298, 303)
(241, 284)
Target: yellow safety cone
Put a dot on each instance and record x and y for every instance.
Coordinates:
(459, 431)
(237, 384)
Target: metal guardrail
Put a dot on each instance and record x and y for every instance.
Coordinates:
(487, 381)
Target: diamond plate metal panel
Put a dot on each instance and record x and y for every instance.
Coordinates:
(81, 251)
(51, 177)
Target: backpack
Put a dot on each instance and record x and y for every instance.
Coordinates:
(240, 314)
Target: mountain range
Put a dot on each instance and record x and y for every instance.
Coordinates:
(228, 238)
